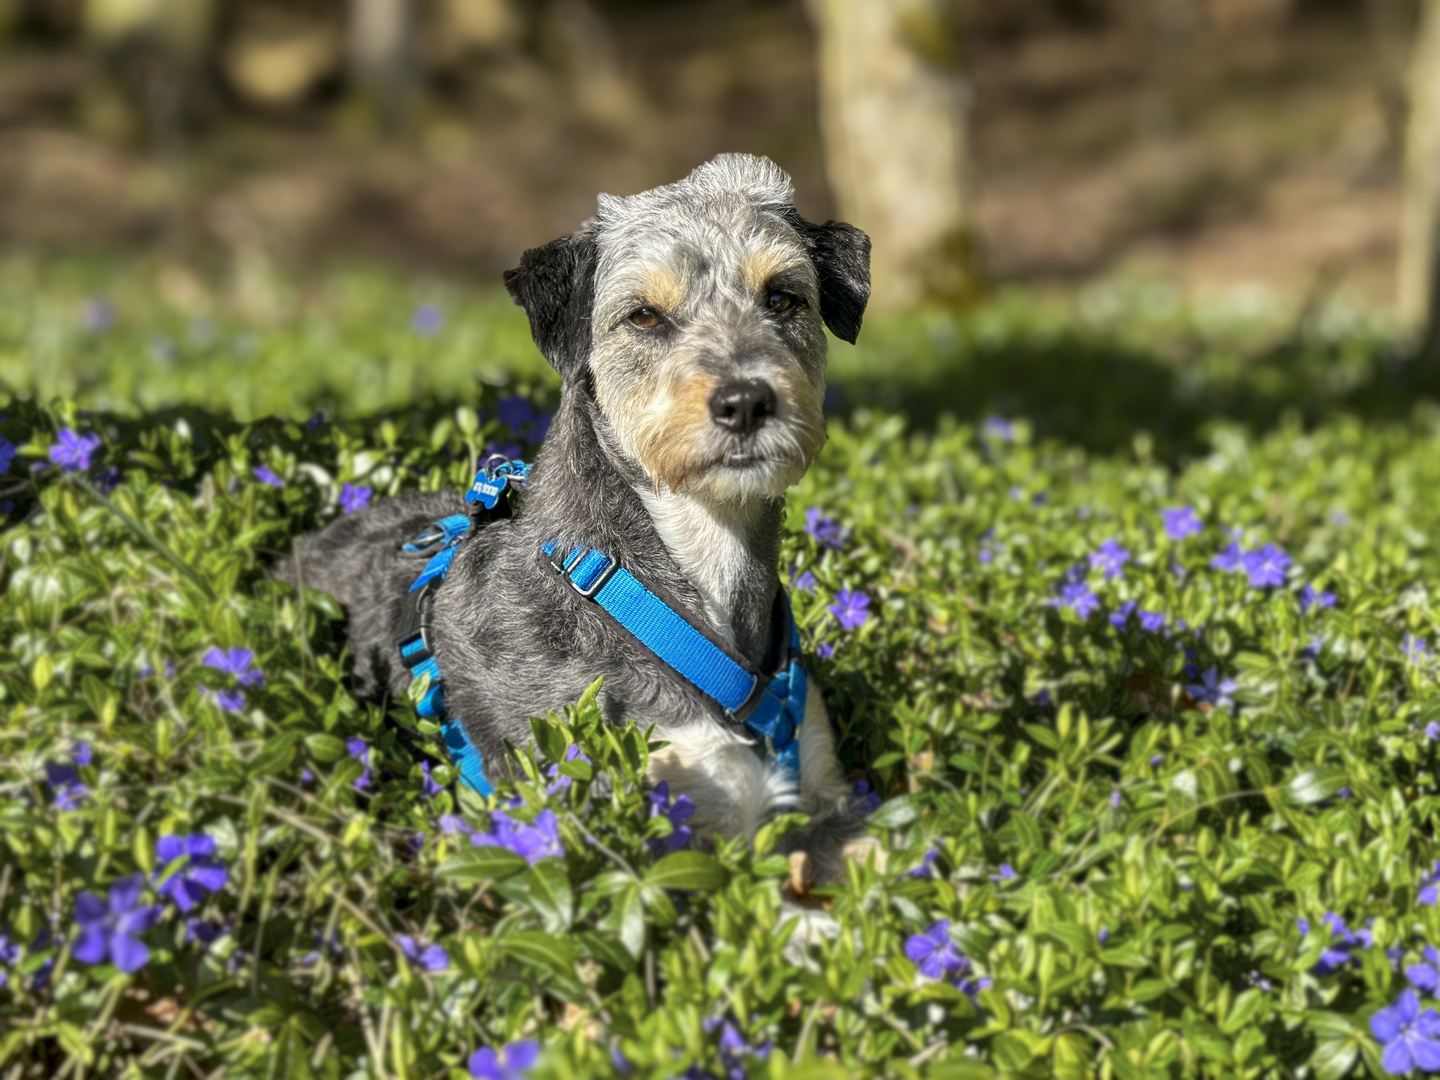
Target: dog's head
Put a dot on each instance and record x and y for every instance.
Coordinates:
(693, 312)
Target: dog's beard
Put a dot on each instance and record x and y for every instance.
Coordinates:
(701, 459)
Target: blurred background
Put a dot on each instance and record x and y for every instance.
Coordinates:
(1281, 155)
(1222, 143)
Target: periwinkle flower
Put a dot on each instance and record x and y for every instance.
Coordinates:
(1151, 621)
(265, 476)
(110, 928)
(1411, 1039)
(805, 582)
(355, 497)
(73, 452)
(1425, 975)
(677, 811)
(1266, 567)
(850, 609)
(516, 412)
(1212, 689)
(1181, 521)
(825, 531)
(1007, 873)
(538, 840)
(237, 662)
(427, 320)
(1310, 597)
(1076, 595)
(1228, 560)
(933, 952)
(925, 871)
(513, 1061)
(1110, 559)
(999, 428)
(428, 787)
(7, 454)
(1121, 616)
(70, 791)
(1416, 649)
(866, 801)
(429, 957)
(201, 874)
(357, 747)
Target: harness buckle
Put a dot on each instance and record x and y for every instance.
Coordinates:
(588, 592)
(568, 563)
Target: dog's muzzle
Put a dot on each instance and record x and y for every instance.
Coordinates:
(743, 407)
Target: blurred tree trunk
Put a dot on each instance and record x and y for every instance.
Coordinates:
(1420, 214)
(893, 119)
(381, 39)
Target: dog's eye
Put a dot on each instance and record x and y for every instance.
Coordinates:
(646, 318)
(779, 301)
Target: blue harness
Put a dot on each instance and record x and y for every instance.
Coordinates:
(771, 708)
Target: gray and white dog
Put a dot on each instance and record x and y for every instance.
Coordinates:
(686, 325)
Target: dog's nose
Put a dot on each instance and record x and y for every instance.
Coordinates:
(743, 407)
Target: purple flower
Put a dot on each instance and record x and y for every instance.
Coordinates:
(998, 428)
(1310, 598)
(455, 825)
(866, 801)
(986, 556)
(1212, 689)
(109, 479)
(1432, 730)
(553, 772)
(1120, 617)
(111, 930)
(924, 871)
(313, 424)
(7, 454)
(541, 427)
(1340, 942)
(1111, 559)
(231, 700)
(825, 650)
(429, 957)
(1425, 976)
(1115, 799)
(265, 476)
(1007, 873)
(1102, 935)
(677, 811)
(1076, 595)
(805, 582)
(1266, 567)
(73, 452)
(70, 792)
(427, 320)
(538, 840)
(1180, 522)
(1429, 895)
(98, 315)
(503, 449)
(354, 497)
(849, 609)
(201, 874)
(516, 412)
(237, 662)
(823, 530)
(513, 1062)
(1416, 649)
(1411, 1038)
(9, 956)
(1152, 621)
(1228, 560)
(1156, 760)
(429, 788)
(197, 929)
(359, 748)
(933, 952)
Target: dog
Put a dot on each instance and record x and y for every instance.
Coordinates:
(687, 326)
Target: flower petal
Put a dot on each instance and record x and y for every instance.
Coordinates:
(129, 953)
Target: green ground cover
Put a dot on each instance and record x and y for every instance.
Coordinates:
(1151, 807)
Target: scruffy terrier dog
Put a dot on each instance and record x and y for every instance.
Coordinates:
(686, 325)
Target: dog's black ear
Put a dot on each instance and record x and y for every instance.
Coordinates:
(841, 254)
(555, 284)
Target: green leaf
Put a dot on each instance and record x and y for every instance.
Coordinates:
(607, 950)
(894, 813)
(542, 950)
(1249, 1008)
(626, 919)
(545, 889)
(485, 863)
(687, 870)
(1334, 1058)
(1315, 785)
(326, 748)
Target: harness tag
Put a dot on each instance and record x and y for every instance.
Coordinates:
(485, 489)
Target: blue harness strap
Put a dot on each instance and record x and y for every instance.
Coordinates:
(415, 651)
(774, 714)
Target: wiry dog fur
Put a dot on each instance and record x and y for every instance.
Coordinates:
(651, 307)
